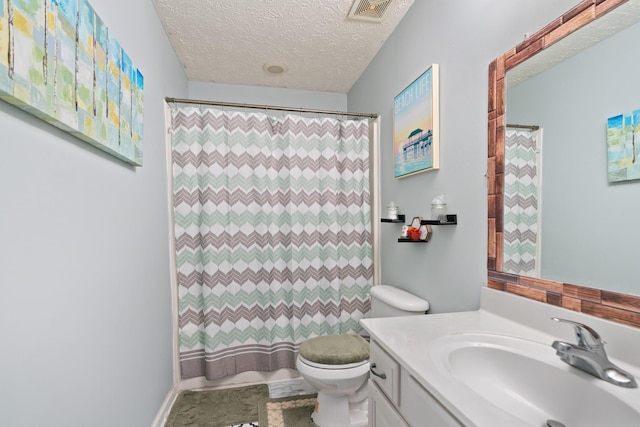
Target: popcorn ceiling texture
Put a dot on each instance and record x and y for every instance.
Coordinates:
(229, 41)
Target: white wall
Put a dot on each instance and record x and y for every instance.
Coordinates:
(261, 95)
(463, 37)
(85, 306)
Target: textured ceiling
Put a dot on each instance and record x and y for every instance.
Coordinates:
(229, 41)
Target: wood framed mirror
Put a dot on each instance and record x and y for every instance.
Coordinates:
(608, 304)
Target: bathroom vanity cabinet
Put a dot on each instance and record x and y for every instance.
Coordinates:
(495, 367)
(396, 399)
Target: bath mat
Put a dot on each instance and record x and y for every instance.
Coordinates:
(294, 411)
(217, 408)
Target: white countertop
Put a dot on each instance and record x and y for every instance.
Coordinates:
(411, 340)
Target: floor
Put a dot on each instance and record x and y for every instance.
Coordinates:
(288, 388)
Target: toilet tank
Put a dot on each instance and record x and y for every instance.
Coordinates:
(387, 301)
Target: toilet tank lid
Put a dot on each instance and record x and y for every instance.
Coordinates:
(398, 298)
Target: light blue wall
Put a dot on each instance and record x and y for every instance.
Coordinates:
(84, 280)
(587, 223)
(262, 95)
(85, 305)
(463, 37)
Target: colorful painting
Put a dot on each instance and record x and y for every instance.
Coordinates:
(59, 63)
(126, 110)
(100, 84)
(50, 56)
(416, 126)
(27, 42)
(623, 150)
(113, 93)
(65, 79)
(5, 82)
(85, 64)
(138, 115)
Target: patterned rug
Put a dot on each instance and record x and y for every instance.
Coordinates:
(294, 411)
(218, 408)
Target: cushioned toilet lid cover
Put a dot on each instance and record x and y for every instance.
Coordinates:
(335, 349)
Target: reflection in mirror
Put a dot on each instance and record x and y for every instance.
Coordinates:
(522, 228)
(563, 220)
(558, 231)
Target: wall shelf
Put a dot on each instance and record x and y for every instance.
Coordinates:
(399, 220)
(451, 220)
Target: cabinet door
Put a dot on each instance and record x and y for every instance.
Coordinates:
(381, 412)
(420, 408)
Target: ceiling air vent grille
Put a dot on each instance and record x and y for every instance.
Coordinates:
(369, 10)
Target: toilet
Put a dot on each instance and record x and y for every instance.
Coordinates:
(338, 365)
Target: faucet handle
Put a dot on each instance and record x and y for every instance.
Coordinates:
(580, 329)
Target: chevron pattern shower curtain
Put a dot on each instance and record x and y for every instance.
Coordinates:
(272, 235)
(521, 226)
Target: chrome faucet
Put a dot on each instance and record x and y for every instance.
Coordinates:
(589, 356)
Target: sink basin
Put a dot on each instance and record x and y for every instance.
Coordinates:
(528, 381)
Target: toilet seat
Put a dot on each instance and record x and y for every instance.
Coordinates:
(335, 351)
(331, 367)
(329, 374)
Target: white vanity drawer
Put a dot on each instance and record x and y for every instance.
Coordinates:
(383, 365)
(420, 408)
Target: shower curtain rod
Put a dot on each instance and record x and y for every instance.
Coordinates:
(530, 127)
(267, 107)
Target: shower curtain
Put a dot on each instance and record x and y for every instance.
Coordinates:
(521, 200)
(272, 235)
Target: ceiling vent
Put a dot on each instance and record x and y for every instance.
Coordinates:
(369, 10)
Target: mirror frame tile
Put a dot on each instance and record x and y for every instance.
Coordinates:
(617, 307)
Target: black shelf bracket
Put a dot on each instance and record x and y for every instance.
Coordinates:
(407, 240)
(399, 220)
(451, 220)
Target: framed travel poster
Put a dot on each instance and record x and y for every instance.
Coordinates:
(416, 126)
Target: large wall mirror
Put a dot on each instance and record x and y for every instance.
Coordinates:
(559, 231)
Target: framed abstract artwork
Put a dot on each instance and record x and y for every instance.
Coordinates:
(60, 63)
(623, 147)
(416, 145)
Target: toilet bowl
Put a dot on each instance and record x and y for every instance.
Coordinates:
(338, 365)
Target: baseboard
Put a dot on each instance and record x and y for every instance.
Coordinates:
(165, 408)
